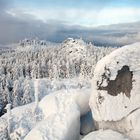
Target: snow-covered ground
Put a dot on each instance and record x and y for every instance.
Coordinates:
(58, 113)
(73, 110)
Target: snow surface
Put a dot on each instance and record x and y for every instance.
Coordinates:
(59, 126)
(65, 113)
(58, 100)
(21, 122)
(61, 111)
(57, 116)
(113, 108)
(104, 135)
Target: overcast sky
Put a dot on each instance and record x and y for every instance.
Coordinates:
(44, 18)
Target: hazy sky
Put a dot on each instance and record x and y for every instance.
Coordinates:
(51, 19)
(79, 12)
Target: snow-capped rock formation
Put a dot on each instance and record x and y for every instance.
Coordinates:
(116, 84)
(58, 126)
(74, 48)
(104, 135)
(57, 117)
(60, 100)
(62, 112)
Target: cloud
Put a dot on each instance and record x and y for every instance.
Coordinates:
(83, 17)
(5, 4)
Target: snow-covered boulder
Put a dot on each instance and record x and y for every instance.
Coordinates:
(59, 100)
(59, 126)
(105, 135)
(61, 110)
(56, 116)
(74, 48)
(116, 84)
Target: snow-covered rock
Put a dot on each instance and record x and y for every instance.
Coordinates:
(61, 111)
(104, 135)
(60, 99)
(116, 84)
(74, 48)
(58, 126)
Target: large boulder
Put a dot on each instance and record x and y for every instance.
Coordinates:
(61, 111)
(116, 84)
(60, 100)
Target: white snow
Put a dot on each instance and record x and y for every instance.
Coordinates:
(52, 103)
(58, 126)
(114, 108)
(61, 111)
(65, 113)
(58, 113)
(104, 135)
(134, 121)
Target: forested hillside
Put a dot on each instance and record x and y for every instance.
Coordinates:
(33, 59)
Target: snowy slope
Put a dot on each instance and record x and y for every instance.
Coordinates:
(21, 122)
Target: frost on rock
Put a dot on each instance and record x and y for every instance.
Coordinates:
(104, 135)
(116, 84)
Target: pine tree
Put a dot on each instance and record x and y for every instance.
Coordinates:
(28, 91)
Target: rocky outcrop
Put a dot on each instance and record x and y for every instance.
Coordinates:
(115, 99)
(116, 84)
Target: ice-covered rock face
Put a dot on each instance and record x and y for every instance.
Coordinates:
(116, 84)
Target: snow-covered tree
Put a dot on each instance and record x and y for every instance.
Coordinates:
(28, 91)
